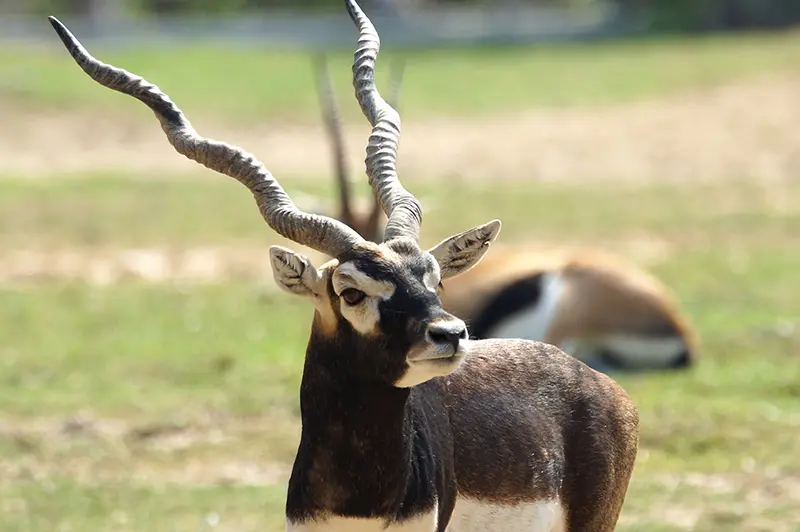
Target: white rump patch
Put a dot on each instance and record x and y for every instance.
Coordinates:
(423, 523)
(533, 322)
(471, 515)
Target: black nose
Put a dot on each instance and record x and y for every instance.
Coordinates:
(683, 361)
(448, 332)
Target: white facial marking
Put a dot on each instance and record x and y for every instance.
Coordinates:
(430, 361)
(349, 276)
(424, 523)
(365, 316)
(532, 323)
(471, 515)
(425, 370)
(432, 277)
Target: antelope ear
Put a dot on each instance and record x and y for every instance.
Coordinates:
(461, 252)
(295, 273)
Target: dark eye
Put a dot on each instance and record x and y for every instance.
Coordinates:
(352, 296)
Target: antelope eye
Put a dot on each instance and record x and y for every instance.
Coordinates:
(352, 296)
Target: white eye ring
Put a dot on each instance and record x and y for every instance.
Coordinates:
(352, 296)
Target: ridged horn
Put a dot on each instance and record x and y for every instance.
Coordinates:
(401, 207)
(315, 231)
(373, 224)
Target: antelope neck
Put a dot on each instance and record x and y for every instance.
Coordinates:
(361, 453)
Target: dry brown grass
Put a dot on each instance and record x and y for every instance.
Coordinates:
(206, 264)
(744, 129)
(214, 450)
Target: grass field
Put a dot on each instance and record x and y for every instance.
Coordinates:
(144, 393)
(252, 85)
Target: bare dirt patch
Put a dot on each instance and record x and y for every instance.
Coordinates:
(745, 129)
(108, 266)
(203, 264)
(89, 450)
(717, 501)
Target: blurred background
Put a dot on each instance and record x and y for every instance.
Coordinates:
(150, 367)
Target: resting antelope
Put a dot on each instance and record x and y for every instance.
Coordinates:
(597, 307)
(406, 424)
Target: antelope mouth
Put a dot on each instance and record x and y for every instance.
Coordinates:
(438, 353)
(437, 358)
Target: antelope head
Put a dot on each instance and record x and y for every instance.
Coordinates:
(377, 302)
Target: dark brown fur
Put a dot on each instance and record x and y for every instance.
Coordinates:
(519, 421)
(544, 417)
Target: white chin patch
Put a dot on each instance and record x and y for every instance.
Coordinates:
(420, 367)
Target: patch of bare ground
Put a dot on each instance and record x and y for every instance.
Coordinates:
(217, 450)
(700, 501)
(108, 266)
(220, 449)
(203, 264)
(744, 129)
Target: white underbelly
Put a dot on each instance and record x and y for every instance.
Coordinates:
(469, 515)
(476, 516)
(422, 523)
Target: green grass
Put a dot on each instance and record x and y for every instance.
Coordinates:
(120, 210)
(64, 505)
(70, 346)
(180, 381)
(253, 85)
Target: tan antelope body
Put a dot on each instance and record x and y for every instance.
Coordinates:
(408, 425)
(597, 307)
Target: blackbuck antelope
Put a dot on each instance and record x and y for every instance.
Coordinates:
(406, 424)
(599, 308)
